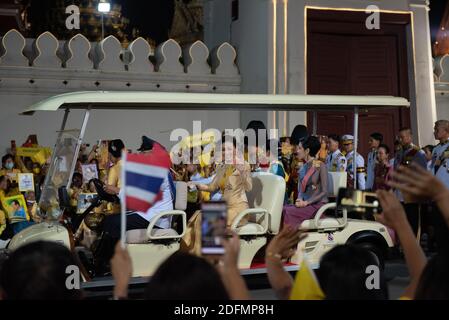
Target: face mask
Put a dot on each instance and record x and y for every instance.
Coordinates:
(9, 166)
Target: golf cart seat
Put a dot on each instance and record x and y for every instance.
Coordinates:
(324, 224)
(150, 247)
(336, 180)
(266, 200)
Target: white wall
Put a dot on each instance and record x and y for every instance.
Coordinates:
(126, 125)
(442, 106)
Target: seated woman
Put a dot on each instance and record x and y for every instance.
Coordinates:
(312, 185)
(233, 178)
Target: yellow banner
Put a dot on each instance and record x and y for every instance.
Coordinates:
(39, 155)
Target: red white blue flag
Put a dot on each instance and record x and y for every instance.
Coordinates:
(144, 175)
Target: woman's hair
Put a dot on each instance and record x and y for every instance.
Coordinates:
(115, 148)
(343, 274)
(2, 179)
(384, 146)
(6, 157)
(37, 271)
(255, 125)
(228, 138)
(313, 144)
(186, 277)
(434, 281)
(299, 134)
(377, 136)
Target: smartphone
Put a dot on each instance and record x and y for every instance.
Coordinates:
(213, 227)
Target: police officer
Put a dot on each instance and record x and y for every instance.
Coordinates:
(375, 140)
(335, 161)
(410, 153)
(348, 146)
(440, 168)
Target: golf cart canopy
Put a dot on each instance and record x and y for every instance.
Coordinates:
(117, 100)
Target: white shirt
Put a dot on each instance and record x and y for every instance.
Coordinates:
(163, 205)
(360, 163)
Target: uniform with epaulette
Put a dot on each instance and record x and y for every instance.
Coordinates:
(360, 171)
(408, 155)
(336, 162)
(440, 162)
(359, 163)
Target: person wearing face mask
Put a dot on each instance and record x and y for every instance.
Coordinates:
(11, 172)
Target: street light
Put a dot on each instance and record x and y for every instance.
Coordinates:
(104, 7)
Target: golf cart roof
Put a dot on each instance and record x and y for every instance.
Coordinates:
(125, 100)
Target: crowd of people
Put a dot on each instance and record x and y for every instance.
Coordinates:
(411, 185)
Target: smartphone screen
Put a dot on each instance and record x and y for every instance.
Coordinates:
(213, 227)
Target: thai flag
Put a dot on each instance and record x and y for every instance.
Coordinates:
(143, 177)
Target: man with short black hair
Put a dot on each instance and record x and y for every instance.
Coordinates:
(410, 153)
(335, 161)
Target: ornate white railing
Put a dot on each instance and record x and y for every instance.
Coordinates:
(46, 65)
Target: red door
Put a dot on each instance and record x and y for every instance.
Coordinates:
(344, 58)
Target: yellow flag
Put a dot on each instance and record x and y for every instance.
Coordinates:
(306, 286)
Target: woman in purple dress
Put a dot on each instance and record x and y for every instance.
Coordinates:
(312, 184)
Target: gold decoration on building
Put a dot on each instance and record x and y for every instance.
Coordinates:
(187, 26)
(441, 45)
(53, 19)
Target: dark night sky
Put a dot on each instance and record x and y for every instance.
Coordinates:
(152, 17)
(436, 14)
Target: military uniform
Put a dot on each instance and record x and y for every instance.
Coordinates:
(370, 166)
(440, 168)
(360, 164)
(440, 162)
(336, 162)
(408, 155)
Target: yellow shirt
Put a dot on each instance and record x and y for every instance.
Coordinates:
(115, 175)
(115, 180)
(2, 221)
(234, 191)
(12, 176)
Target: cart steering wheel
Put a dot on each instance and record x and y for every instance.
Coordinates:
(102, 194)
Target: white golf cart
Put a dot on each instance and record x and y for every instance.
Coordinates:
(150, 247)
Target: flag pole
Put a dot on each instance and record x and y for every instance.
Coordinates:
(123, 202)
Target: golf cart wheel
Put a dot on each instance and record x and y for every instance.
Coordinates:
(378, 252)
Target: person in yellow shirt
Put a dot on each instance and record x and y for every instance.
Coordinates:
(11, 172)
(114, 182)
(233, 178)
(3, 214)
